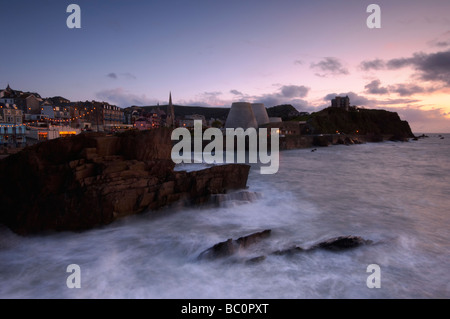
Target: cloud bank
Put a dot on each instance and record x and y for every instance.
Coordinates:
(434, 67)
(124, 98)
(329, 66)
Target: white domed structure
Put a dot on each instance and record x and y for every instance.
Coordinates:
(241, 115)
(260, 113)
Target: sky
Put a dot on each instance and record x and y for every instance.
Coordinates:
(214, 53)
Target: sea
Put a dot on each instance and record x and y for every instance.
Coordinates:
(394, 194)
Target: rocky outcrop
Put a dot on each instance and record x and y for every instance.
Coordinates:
(341, 243)
(321, 140)
(364, 122)
(92, 179)
(232, 247)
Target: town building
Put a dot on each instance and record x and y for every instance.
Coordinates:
(102, 116)
(12, 129)
(47, 110)
(49, 132)
(188, 120)
(341, 102)
(286, 128)
(26, 101)
(147, 121)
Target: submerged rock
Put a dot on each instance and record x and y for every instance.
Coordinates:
(321, 140)
(334, 244)
(341, 243)
(255, 260)
(231, 247)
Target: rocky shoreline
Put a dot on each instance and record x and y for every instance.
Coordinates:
(92, 179)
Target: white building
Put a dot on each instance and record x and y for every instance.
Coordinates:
(51, 132)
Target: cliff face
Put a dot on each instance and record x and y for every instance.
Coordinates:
(376, 123)
(92, 179)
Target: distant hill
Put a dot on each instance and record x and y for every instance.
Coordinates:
(58, 100)
(285, 111)
(208, 112)
(362, 121)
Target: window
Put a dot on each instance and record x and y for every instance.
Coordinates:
(42, 136)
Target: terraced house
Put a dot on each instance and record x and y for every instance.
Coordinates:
(12, 129)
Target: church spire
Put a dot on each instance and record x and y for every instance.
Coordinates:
(170, 122)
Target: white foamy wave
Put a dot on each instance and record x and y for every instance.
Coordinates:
(388, 193)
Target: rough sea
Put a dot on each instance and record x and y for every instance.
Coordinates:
(397, 195)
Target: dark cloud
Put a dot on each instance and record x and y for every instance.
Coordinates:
(375, 88)
(362, 101)
(399, 63)
(236, 92)
(287, 94)
(329, 66)
(441, 41)
(395, 101)
(291, 91)
(299, 62)
(429, 67)
(393, 64)
(403, 89)
(435, 67)
(442, 44)
(406, 89)
(112, 75)
(376, 64)
(126, 75)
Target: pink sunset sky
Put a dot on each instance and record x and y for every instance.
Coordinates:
(213, 53)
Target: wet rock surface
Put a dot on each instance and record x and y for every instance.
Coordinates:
(90, 180)
(231, 248)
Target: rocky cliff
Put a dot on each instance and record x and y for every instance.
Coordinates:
(378, 124)
(92, 179)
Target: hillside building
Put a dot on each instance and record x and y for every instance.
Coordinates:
(341, 102)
